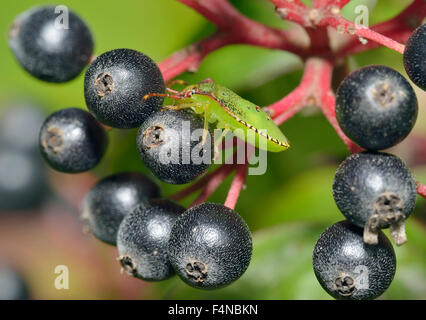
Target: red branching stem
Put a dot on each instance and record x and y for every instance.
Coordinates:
(236, 186)
(346, 26)
(233, 28)
(315, 87)
(326, 3)
(399, 29)
(314, 90)
(189, 59)
(328, 102)
(214, 182)
(298, 98)
(421, 189)
(210, 179)
(289, 105)
(209, 9)
(292, 10)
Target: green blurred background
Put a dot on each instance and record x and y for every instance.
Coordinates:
(286, 209)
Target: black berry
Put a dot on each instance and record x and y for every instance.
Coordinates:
(348, 268)
(19, 127)
(22, 179)
(170, 145)
(72, 141)
(47, 47)
(376, 107)
(115, 84)
(375, 190)
(210, 246)
(415, 57)
(111, 199)
(143, 238)
(12, 284)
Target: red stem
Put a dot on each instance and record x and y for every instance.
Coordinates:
(343, 25)
(296, 100)
(213, 183)
(208, 8)
(328, 103)
(326, 3)
(236, 186)
(421, 189)
(219, 174)
(399, 28)
(189, 59)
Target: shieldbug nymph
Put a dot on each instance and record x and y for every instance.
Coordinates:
(228, 111)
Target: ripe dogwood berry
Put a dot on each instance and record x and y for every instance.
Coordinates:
(47, 49)
(115, 84)
(111, 199)
(72, 141)
(347, 268)
(210, 246)
(375, 190)
(143, 238)
(376, 107)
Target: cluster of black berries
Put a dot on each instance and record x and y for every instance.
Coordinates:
(376, 107)
(209, 245)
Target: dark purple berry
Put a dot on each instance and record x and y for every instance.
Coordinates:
(115, 84)
(376, 107)
(415, 57)
(143, 238)
(170, 145)
(112, 198)
(210, 246)
(22, 179)
(72, 141)
(51, 43)
(347, 268)
(12, 284)
(20, 125)
(374, 191)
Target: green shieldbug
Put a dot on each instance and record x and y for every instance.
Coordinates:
(228, 111)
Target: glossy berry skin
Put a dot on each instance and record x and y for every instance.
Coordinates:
(20, 125)
(111, 199)
(72, 141)
(22, 179)
(415, 57)
(349, 269)
(12, 284)
(143, 238)
(376, 107)
(115, 84)
(210, 246)
(168, 145)
(363, 178)
(47, 49)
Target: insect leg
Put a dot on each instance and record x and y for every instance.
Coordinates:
(218, 141)
(206, 124)
(179, 107)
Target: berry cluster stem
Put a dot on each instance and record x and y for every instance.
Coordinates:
(421, 189)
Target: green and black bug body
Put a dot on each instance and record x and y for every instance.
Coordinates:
(228, 111)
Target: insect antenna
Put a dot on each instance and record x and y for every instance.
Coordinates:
(177, 81)
(166, 95)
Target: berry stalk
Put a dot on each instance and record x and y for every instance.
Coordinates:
(421, 189)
